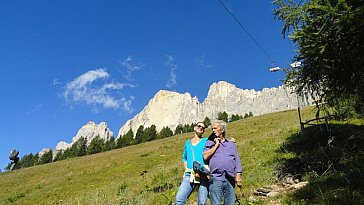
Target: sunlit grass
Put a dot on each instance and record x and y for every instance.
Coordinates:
(147, 173)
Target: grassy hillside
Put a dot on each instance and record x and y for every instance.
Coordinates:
(150, 173)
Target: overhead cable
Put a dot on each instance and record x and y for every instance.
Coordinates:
(246, 31)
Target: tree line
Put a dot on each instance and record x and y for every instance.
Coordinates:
(225, 117)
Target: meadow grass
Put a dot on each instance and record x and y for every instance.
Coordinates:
(332, 161)
(150, 173)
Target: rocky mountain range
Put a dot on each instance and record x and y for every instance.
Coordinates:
(170, 109)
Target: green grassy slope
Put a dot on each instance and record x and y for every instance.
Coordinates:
(147, 173)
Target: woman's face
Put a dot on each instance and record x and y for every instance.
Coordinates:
(200, 128)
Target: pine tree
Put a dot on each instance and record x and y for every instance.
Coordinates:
(27, 161)
(96, 146)
(110, 144)
(129, 138)
(223, 116)
(139, 135)
(246, 115)
(165, 132)
(207, 121)
(46, 157)
(150, 133)
(125, 140)
(234, 117)
(82, 147)
(178, 130)
(191, 128)
(328, 36)
(36, 159)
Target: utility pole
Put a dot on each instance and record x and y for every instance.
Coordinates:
(293, 65)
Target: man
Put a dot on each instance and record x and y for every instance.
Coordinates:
(193, 152)
(225, 166)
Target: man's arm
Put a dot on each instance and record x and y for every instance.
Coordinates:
(208, 153)
(239, 168)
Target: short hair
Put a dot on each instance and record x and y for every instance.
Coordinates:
(222, 125)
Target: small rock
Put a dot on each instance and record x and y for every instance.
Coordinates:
(273, 194)
(275, 187)
(264, 190)
(300, 185)
(252, 199)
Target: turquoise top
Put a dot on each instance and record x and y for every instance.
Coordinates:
(197, 149)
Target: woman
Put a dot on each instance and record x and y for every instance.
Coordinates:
(193, 152)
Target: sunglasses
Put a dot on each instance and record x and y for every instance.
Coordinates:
(200, 126)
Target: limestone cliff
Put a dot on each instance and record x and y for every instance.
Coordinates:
(168, 108)
(89, 131)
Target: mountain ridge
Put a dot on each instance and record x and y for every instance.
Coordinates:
(169, 109)
(173, 108)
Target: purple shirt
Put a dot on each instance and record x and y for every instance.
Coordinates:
(225, 160)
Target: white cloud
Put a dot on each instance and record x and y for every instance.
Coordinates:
(92, 88)
(172, 81)
(130, 67)
(56, 82)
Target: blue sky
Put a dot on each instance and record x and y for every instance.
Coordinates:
(64, 63)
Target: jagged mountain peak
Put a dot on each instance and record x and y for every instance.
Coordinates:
(89, 131)
(168, 108)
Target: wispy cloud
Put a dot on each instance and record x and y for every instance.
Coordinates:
(95, 89)
(35, 109)
(56, 82)
(130, 67)
(201, 62)
(172, 81)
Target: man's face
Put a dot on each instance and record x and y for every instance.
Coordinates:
(216, 128)
(200, 128)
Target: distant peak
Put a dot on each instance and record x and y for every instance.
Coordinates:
(163, 93)
(91, 122)
(222, 84)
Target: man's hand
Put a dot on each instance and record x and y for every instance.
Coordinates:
(217, 141)
(238, 179)
(207, 154)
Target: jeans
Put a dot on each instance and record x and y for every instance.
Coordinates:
(219, 188)
(186, 188)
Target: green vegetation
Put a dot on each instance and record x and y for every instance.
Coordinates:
(150, 173)
(207, 121)
(332, 161)
(223, 116)
(328, 35)
(165, 132)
